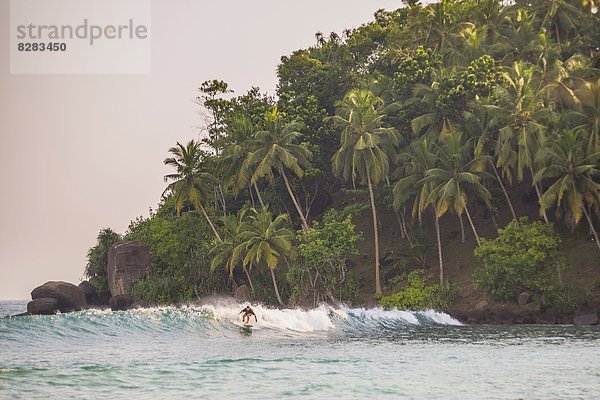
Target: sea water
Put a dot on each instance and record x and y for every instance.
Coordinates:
(203, 352)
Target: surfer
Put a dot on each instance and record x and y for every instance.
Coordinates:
(247, 314)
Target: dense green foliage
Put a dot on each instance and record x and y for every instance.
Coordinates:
(322, 272)
(415, 296)
(180, 264)
(437, 109)
(97, 259)
(524, 257)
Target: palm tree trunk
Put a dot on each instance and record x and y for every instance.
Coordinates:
(439, 243)
(210, 223)
(222, 199)
(539, 195)
(260, 200)
(473, 226)
(410, 243)
(402, 234)
(251, 196)
(375, 235)
(462, 229)
(510, 205)
(275, 287)
(591, 223)
(289, 188)
(249, 279)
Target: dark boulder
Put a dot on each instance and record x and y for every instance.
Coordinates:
(140, 304)
(524, 298)
(43, 306)
(69, 296)
(128, 262)
(524, 317)
(586, 318)
(478, 317)
(120, 302)
(103, 296)
(504, 317)
(91, 294)
(546, 318)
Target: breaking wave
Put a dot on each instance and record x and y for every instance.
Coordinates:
(221, 319)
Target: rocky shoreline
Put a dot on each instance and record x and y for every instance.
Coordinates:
(58, 296)
(129, 262)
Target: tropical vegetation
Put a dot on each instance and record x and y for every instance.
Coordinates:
(427, 115)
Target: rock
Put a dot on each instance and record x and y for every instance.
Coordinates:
(43, 306)
(91, 294)
(478, 317)
(128, 262)
(504, 317)
(524, 317)
(482, 305)
(120, 302)
(140, 304)
(524, 298)
(586, 318)
(69, 296)
(546, 318)
(23, 314)
(242, 293)
(103, 297)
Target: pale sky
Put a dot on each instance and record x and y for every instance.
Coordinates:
(82, 152)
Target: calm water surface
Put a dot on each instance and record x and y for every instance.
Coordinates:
(202, 352)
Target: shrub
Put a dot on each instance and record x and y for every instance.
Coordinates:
(566, 300)
(416, 296)
(521, 258)
(443, 296)
(97, 259)
(161, 290)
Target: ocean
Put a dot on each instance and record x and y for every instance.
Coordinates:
(203, 352)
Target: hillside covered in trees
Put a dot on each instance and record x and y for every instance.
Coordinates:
(433, 157)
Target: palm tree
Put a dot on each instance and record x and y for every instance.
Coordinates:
(520, 40)
(265, 242)
(456, 178)
(241, 133)
(482, 126)
(366, 145)
(522, 109)
(441, 24)
(587, 115)
(227, 253)
(491, 17)
(416, 161)
(573, 171)
(190, 183)
(274, 149)
(470, 43)
(559, 17)
(437, 122)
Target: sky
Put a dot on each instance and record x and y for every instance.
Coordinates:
(79, 153)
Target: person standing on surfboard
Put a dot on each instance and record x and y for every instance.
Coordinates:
(247, 314)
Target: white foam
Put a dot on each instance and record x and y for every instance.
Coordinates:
(297, 320)
(440, 317)
(381, 314)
